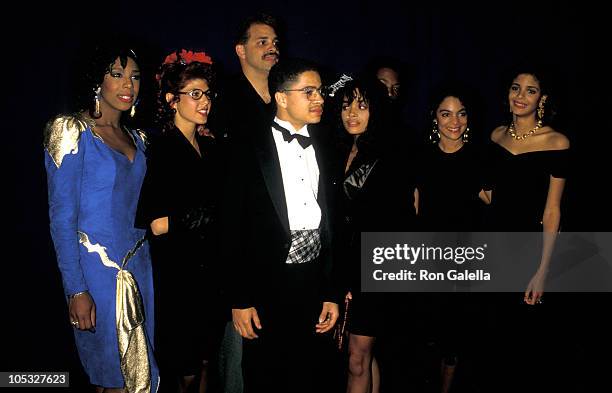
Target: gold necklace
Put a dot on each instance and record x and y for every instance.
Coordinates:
(512, 131)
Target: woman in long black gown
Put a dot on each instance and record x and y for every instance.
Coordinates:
(529, 161)
(530, 164)
(178, 202)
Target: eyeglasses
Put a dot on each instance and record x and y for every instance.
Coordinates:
(310, 91)
(196, 94)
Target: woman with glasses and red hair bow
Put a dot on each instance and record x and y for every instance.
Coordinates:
(178, 204)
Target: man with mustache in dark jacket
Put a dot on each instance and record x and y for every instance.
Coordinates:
(245, 99)
(244, 102)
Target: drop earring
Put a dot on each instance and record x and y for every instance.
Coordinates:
(466, 136)
(541, 107)
(97, 112)
(434, 137)
(133, 109)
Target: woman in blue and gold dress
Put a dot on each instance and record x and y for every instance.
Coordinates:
(95, 168)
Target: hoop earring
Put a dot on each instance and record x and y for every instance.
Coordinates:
(541, 107)
(434, 137)
(97, 112)
(466, 137)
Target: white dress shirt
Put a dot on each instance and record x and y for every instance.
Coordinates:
(300, 173)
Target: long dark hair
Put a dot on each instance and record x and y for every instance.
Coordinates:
(173, 77)
(373, 93)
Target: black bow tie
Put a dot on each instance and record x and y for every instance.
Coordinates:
(303, 140)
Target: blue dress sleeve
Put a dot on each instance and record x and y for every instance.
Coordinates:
(64, 152)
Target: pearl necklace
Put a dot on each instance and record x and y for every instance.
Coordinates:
(512, 131)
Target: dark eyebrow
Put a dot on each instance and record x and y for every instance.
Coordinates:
(529, 86)
(448, 110)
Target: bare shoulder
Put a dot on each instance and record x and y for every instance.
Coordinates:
(557, 141)
(498, 133)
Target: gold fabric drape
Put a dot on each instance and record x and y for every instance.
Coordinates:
(132, 341)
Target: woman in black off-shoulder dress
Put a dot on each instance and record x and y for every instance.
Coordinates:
(529, 162)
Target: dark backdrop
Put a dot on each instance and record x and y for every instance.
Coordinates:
(436, 41)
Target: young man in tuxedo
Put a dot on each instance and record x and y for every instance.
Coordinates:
(277, 219)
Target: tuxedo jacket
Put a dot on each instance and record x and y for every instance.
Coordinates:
(254, 223)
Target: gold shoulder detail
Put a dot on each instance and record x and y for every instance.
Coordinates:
(62, 136)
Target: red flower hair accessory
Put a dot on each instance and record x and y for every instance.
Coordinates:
(185, 57)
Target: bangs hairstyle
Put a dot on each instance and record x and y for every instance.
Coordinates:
(173, 78)
(369, 91)
(357, 89)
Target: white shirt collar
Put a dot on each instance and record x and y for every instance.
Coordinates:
(289, 127)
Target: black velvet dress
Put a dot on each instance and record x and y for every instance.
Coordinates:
(520, 184)
(180, 184)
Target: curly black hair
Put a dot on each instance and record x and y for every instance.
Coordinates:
(173, 77)
(95, 66)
